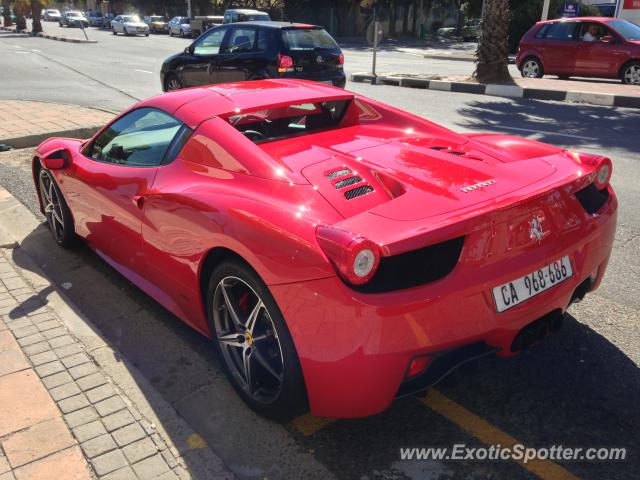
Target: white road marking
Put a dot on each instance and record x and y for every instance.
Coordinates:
(34, 50)
(544, 132)
(143, 71)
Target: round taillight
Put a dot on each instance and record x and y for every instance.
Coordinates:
(603, 174)
(359, 261)
(364, 262)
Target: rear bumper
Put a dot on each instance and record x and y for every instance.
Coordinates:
(355, 348)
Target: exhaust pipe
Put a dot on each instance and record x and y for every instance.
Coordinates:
(537, 330)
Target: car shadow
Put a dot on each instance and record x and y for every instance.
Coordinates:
(576, 388)
(555, 122)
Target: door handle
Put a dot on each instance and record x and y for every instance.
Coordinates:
(138, 201)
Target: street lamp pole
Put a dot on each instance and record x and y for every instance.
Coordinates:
(545, 10)
(189, 8)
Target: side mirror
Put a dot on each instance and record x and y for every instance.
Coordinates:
(189, 50)
(608, 39)
(57, 159)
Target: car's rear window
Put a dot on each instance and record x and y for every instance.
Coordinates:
(290, 120)
(307, 39)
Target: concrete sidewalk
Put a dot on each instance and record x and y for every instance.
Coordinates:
(592, 92)
(26, 123)
(74, 35)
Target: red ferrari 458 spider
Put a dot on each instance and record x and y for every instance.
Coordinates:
(340, 252)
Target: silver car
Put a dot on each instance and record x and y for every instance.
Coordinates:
(180, 26)
(129, 25)
(51, 15)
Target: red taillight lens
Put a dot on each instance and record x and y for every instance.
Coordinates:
(603, 174)
(285, 61)
(417, 366)
(356, 258)
(341, 59)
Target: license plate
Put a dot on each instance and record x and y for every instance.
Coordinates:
(521, 289)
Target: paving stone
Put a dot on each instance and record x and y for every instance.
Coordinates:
(109, 462)
(25, 331)
(4, 464)
(47, 325)
(68, 350)
(30, 339)
(83, 370)
(100, 393)
(57, 380)
(140, 450)
(80, 417)
(89, 430)
(117, 420)
(61, 341)
(74, 403)
(98, 445)
(69, 461)
(42, 318)
(50, 368)
(123, 474)
(21, 323)
(37, 442)
(75, 360)
(12, 361)
(43, 357)
(54, 332)
(150, 467)
(14, 283)
(91, 381)
(168, 476)
(169, 458)
(64, 391)
(129, 434)
(36, 348)
(110, 405)
(7, 476)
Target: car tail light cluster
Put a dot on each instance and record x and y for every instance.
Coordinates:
(341, 59)
(285, 64)
(356, 258)
(601, 165)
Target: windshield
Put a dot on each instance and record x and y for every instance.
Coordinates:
(74, 14)
(307, 39)
(157, 19)
(55, 12)
(130, 18)
(630, 31)
(256, 18)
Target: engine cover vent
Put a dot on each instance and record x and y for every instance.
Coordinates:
(346, 182)
(358, 192)
(338, 173)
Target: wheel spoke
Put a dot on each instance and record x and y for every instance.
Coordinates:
(265, 363)
(232, 340)
(229, 305)
(253, 316)
(246, 361)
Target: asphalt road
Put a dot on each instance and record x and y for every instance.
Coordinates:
(578, 388)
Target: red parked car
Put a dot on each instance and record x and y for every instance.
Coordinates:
(337, 250)
(582, 47)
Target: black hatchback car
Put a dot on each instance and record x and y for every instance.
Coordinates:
(255, 51)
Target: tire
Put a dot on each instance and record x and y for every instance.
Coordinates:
(59, 218)
(630, 74)
(563, 77)
(170, 32)
(172, 82)
(253, 343)
(114, 31)
(181, 33)
(124, 30)
(532, 68)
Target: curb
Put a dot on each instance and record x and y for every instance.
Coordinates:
(49, 37)
(498, 90)
(36, 139)
(16, 222)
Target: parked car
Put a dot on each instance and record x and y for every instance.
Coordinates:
(180, 26)
(157, 24)
(73, 18)
(106, 20)
(51, 15)
(200, 24)
(233, 15)
(559, 47)
(336, 250)
(129, 25)
(256, 50)
(95, 18)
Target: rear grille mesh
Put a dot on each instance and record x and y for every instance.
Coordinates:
(591, 198)
(346, 182)
(358, 192)
(338, 173)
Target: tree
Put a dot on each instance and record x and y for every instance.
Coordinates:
(492, 62)
(20, 9)
(36, 11)
(6, 13)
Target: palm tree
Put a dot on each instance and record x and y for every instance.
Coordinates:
(36, 12)
(6, 13)
(492, 62)
(19, 8)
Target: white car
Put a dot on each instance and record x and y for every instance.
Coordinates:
(51, 15)
(180, 26)
(129, 25)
